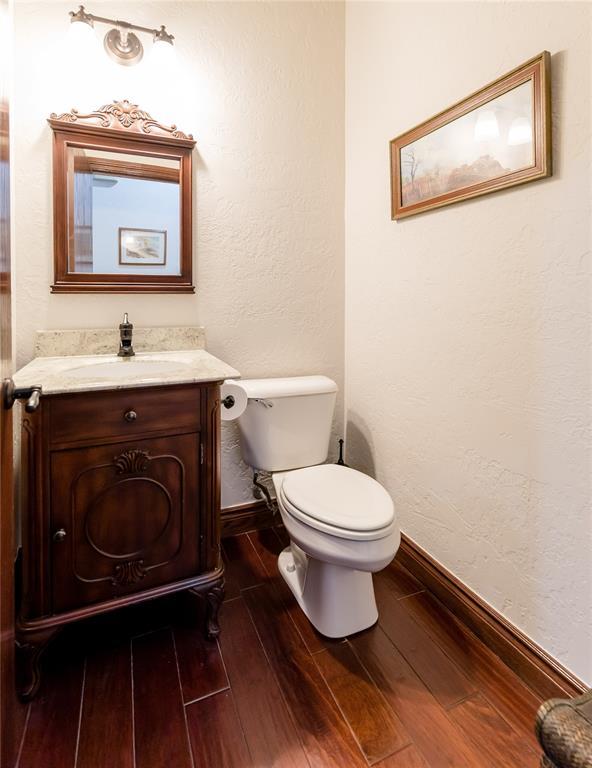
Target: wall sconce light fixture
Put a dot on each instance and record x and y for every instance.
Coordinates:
(121, 43)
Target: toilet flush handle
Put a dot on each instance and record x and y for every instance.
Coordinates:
(264, 403)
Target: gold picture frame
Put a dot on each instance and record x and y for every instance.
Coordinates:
(497, 137)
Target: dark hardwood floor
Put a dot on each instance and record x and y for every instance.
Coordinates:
(141, 688)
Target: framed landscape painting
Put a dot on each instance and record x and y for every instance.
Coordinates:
(498, 137)
(140, 247)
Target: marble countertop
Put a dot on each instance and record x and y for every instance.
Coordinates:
(88, 373)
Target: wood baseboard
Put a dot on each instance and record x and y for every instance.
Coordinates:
(540, 671)
(246, 517)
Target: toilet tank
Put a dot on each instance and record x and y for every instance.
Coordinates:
(287, 422)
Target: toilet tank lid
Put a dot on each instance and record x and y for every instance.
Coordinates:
(291, 386)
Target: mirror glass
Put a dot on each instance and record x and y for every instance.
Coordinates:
(124, 213)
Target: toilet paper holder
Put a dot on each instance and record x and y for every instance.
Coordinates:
(229, 401)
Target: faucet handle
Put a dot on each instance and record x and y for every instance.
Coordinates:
(125, 319)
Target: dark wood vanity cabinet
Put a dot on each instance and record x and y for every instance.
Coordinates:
(122, 497)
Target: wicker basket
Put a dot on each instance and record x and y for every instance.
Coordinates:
(564, 731)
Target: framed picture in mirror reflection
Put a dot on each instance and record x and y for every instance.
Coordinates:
(142, 247)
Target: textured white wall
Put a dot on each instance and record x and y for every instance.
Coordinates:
(468, 329)
(261, 87)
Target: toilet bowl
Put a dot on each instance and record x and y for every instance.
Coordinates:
(341, 523)
(342, 529)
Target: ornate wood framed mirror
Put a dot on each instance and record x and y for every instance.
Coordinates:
(122, 202)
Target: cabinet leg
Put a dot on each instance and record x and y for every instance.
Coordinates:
(28, 660)
(214, 600)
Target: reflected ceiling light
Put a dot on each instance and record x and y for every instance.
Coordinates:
(486, 126)
(520, 131)
(104, 183)
(121, 43)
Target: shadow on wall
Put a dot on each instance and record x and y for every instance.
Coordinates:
(358, 444)
(558, 64)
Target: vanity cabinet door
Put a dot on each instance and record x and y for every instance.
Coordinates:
(124, 518)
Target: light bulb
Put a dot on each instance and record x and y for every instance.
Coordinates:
(486, 126)
(83, 46)
(81, 33)
(520, 132)
(162, 54)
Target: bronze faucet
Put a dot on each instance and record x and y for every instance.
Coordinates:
(126, 330)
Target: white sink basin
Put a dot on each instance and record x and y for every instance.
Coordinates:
(125, 368)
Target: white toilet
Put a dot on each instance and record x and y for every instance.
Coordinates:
(341, 522)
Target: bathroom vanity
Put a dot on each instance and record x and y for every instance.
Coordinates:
(121, 469)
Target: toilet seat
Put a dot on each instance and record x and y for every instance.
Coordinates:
(340, 501)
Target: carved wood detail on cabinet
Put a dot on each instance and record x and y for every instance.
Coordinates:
(127, 573)
(132, 460)
(121, 515)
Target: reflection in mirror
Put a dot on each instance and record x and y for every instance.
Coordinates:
(124, 214)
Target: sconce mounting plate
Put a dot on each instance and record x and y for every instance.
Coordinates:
(123, 48)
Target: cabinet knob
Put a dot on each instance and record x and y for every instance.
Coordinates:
(59, 535)
(130, 416)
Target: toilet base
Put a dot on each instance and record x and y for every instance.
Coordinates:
(337, 601)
